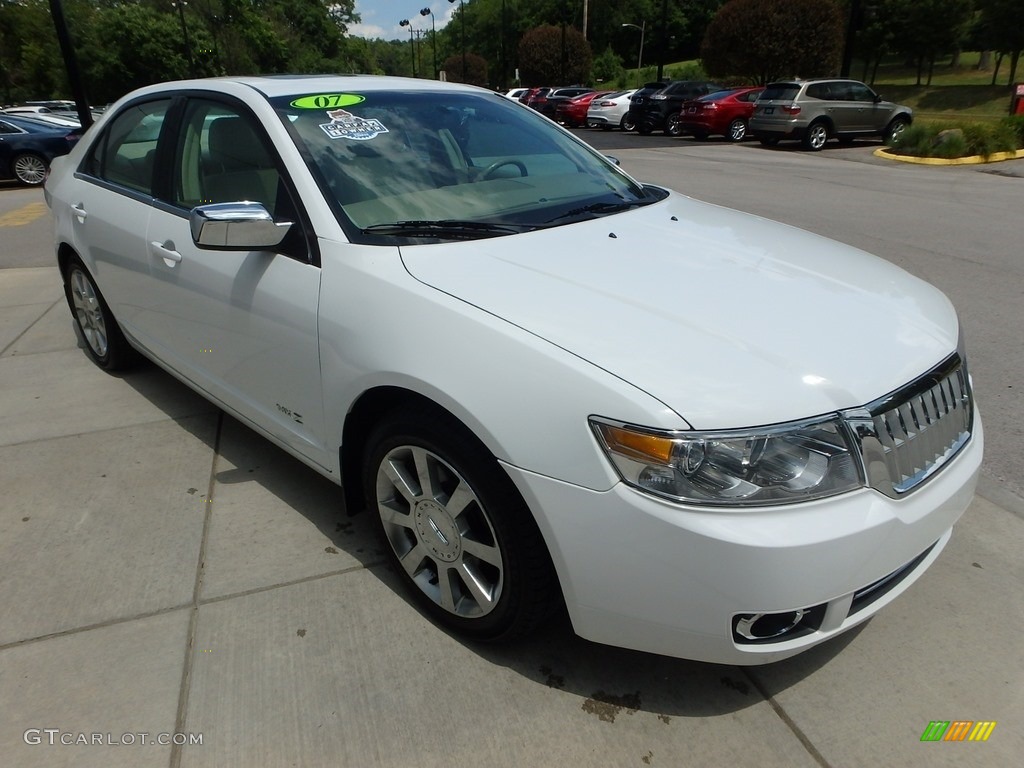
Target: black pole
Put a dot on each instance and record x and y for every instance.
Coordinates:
(71, 64)
(501, 47)
(462, 13)
(852, 24)
(662, 37)
(180, 4)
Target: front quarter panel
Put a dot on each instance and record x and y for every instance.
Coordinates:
(526, 399)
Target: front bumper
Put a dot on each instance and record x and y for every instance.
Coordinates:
(640, 573)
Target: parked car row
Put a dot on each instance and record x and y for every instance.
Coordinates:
(810, 111)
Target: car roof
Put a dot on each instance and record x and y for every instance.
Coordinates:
(273, 86)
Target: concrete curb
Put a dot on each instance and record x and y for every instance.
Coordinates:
(972, 160)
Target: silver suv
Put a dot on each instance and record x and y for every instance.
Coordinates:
(815, 111)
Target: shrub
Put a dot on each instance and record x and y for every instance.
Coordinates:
(1015, 124)
(916, 140)
(954, 145)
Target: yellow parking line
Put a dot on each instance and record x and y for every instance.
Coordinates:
(19, 217)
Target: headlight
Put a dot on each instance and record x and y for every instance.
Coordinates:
(774, 465)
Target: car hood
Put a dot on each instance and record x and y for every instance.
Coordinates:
(729, 319)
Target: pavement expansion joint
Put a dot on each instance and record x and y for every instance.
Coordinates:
(781, 713)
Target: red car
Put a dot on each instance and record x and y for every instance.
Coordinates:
(573, 112)
(722, 113)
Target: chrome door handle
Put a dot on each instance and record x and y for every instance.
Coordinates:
(79, 210)
(167, 252)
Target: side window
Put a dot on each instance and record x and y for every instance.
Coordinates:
(127, 152)
(221, 158)
(7, 128)
(818, 91)
(860, 92)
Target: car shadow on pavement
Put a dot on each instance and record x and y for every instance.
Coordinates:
(609, 682)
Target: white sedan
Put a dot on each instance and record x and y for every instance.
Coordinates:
(705, 434)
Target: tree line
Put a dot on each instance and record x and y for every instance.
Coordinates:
(123, 44)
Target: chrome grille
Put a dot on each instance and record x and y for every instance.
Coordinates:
(907, 436)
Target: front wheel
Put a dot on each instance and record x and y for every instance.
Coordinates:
(456, 528)
(895, 129)
(29, 169)
(627, 124)
(737, 130)
(816, 136)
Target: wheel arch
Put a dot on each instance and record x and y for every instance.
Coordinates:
(367, 410)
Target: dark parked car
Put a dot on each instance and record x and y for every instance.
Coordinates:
(27, 146)
(723, 113)
(649, 111)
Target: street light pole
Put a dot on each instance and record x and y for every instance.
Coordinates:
(433, 35)
(180, 5)
(640, 58)
(462, 15)
(412, 45)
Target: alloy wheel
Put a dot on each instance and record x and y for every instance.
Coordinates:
(88, 312)
(439, 531)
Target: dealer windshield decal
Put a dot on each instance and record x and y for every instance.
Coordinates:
(345, 125)
(328, 101)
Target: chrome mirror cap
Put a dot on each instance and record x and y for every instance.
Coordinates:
(236, 226)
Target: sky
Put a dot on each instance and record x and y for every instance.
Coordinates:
(381, 17)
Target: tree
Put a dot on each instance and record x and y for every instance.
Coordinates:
(923, 29)
(763, 40)
(1001, 26)
(608, 66)
(550, 54)
(476, 69)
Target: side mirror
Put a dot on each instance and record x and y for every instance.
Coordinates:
(241, 226)
(612, 160)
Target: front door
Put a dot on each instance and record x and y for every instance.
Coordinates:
(242, 325)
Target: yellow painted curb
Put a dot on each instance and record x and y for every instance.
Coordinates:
(972, 160)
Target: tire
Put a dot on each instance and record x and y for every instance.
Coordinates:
(737, 130)
(816, 136)
(896, 127)
(673, 126)
(626, 124)
(644, 130)
(466, 546)
(104, 342)
(29, 168)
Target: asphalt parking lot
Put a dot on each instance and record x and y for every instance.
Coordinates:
(165, 571)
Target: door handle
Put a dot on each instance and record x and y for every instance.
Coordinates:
(78, 209)
(167, 252)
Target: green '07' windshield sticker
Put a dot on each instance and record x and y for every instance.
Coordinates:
(328, 101)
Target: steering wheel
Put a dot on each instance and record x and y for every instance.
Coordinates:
(500, 164)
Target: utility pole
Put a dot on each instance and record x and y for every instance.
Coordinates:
(71, 64)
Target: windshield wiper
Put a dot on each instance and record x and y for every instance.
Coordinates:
(445, 228)
(601, 208)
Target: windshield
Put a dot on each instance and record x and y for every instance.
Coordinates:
(387, 158)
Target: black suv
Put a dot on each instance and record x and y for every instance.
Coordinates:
(649, 107)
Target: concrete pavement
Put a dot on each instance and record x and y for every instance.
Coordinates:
(163, 570)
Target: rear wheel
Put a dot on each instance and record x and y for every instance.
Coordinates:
(29, 169)
(737, 130)
(673, 125)
(816, 136)
(457, 530)
(104, 342)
